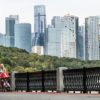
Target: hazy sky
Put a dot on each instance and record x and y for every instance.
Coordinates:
(24, 8)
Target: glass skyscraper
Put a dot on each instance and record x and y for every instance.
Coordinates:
(92, 35)
(23, 36)
(61, 37)
(10, 23)
(39, 24)
(39, 29)
(81, 43)
(2, 39)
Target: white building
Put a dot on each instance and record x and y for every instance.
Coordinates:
(61, 37)
(38, 49)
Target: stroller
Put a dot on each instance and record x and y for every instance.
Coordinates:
(5, 86)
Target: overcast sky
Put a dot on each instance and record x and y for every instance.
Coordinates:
(24, 8)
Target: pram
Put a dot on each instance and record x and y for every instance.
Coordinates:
(5, 85)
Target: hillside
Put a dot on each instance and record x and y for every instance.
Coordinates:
(16, 59)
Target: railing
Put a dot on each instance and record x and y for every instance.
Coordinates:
(93, 79)
(73, 80)
(34, 81)
(43, 81)
(50, 82)
(83, 80)
(21, 81)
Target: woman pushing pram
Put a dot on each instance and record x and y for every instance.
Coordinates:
(4, 77)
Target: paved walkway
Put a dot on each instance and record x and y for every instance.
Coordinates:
(47, 96)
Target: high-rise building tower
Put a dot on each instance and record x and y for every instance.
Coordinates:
(23, 36)
(16, 17)
(92, 35)
(10, 23)
(61, 37)
(2, 39)
(39, 28)
(81, 43)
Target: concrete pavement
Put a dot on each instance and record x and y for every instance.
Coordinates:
(47, 96)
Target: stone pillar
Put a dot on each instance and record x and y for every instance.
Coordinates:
(60, 77)
(13, 81)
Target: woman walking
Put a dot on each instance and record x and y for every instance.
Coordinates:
(4, 76)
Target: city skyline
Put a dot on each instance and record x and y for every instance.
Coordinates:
(25, 9)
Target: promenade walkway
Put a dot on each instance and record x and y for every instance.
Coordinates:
(47, 96)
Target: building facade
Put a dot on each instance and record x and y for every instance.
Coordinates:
(61, 38)
(81, 43)
(23, 36)
(92, 35)
(39, 26)
(2, 39)
(10, 23)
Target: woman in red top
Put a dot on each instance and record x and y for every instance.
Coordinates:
(4, 75)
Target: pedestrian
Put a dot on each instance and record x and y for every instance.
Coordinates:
(4, 76)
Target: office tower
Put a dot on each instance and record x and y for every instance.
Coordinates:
(9, 41)
(23, 36)
(2, 39)
(39, 28)
(53, 38)
(61, 37)
(92, 35)
(10, 22)
(16, 17)
(81, 43)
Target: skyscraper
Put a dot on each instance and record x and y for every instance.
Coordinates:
(16, 17)
(2, 39)
(10, 22)
(92, 35)
(23, 36)
(61, 37)
(81, 43)
(39, 27)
